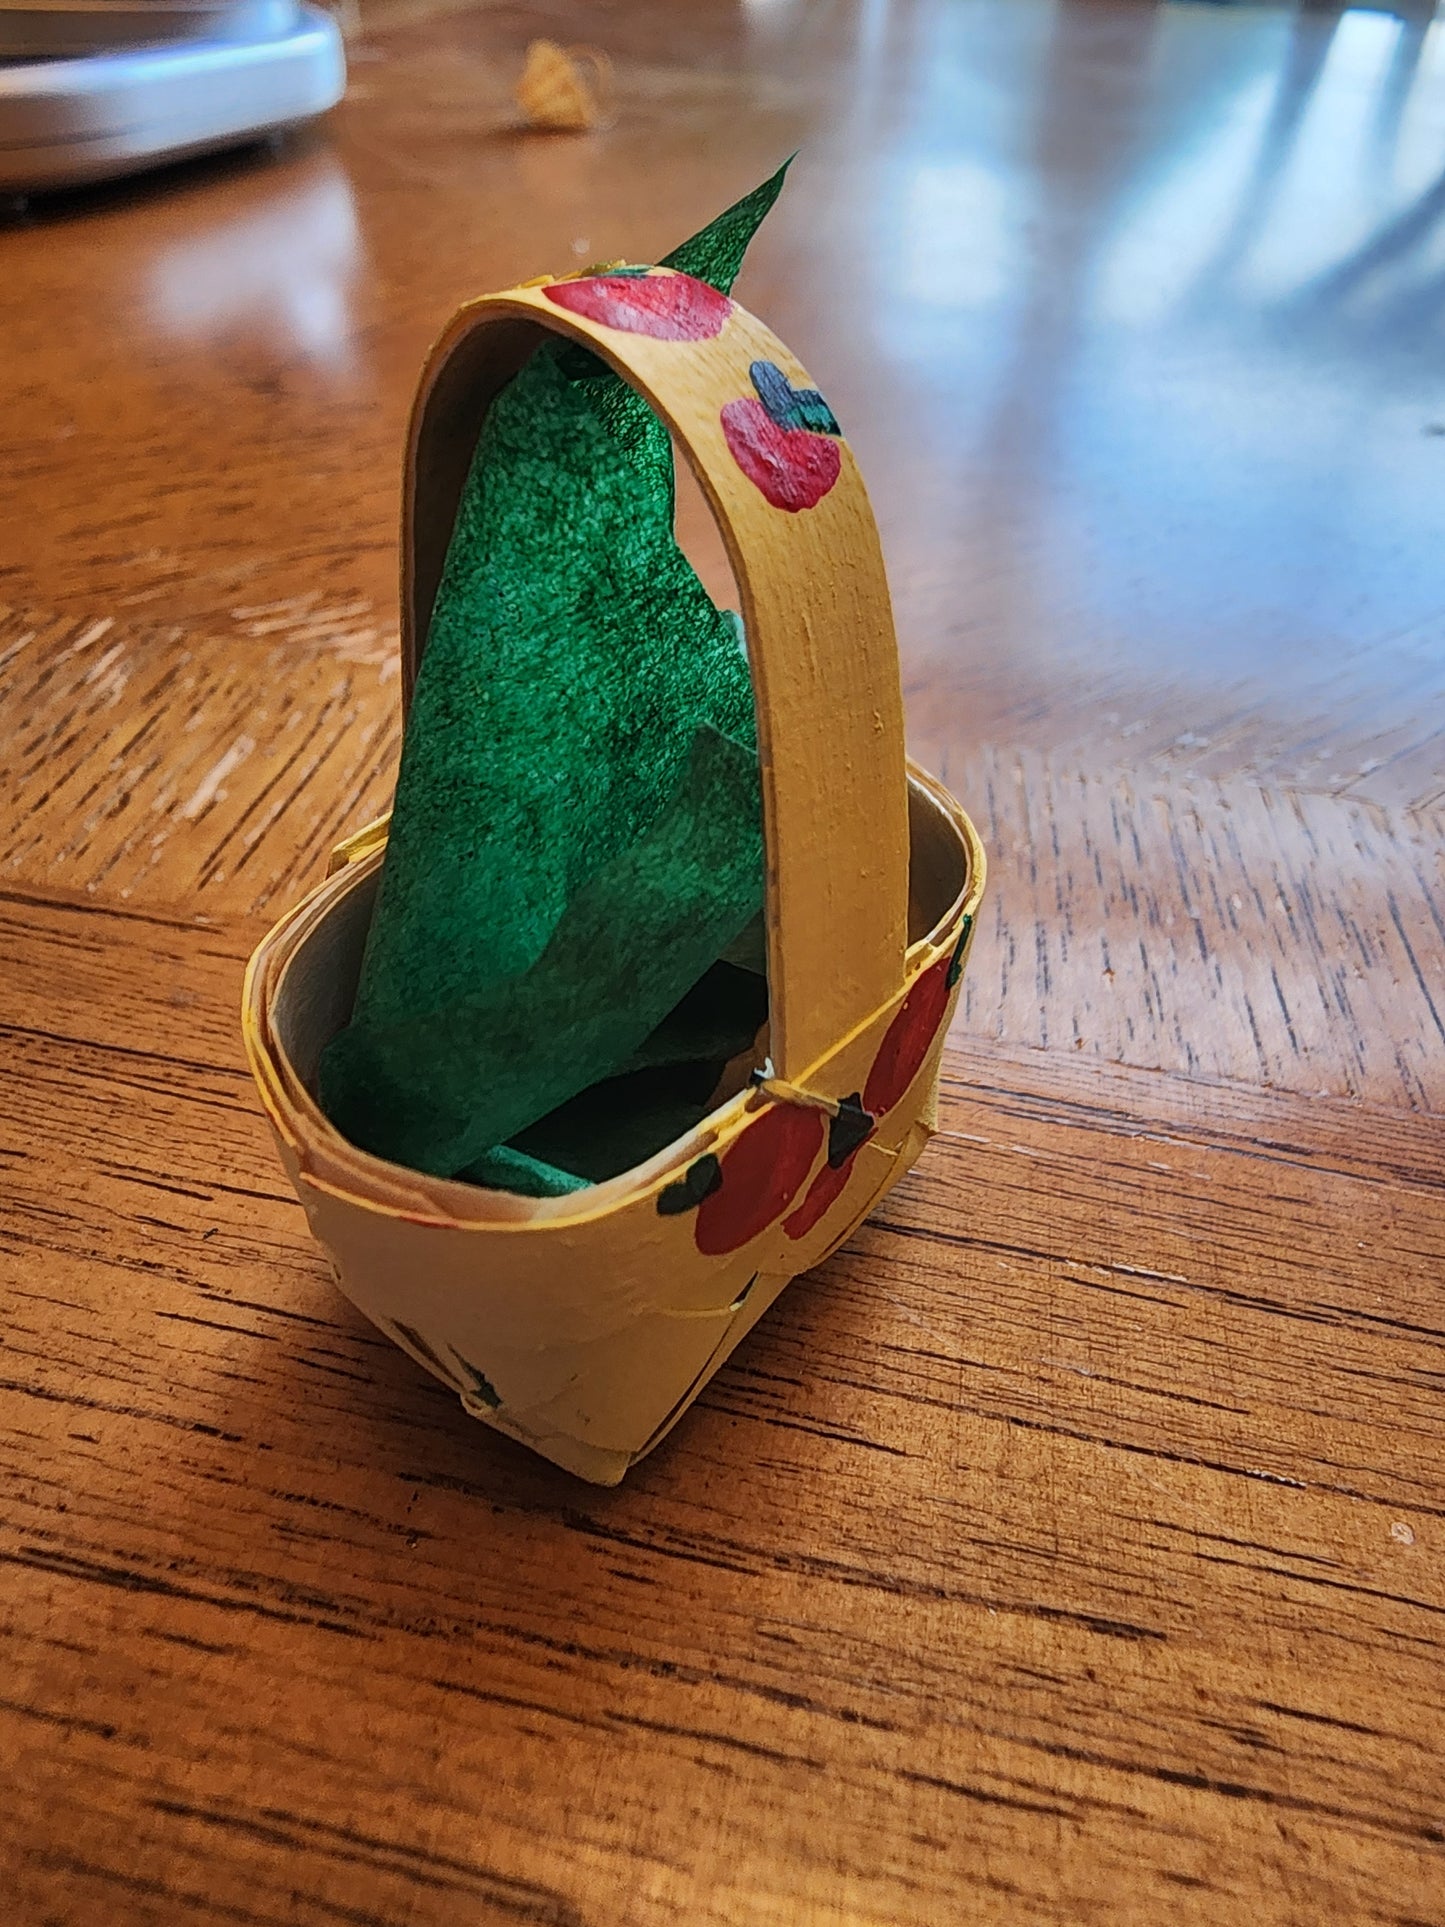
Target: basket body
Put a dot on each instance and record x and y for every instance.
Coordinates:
(585, 1325)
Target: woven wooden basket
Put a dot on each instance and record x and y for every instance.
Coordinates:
(585, 1325)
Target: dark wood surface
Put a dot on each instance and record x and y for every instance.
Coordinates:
(1069, 1548)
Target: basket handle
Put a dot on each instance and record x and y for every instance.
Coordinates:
(815, 604)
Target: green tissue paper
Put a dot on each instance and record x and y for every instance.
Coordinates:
(576, 838)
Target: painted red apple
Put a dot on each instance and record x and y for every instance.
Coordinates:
(760, 1175)
(830, 1184)
(785, 441)
(849, 1131)
(668, 307)
(914, 1027)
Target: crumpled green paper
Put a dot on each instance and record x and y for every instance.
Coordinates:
(576, 837)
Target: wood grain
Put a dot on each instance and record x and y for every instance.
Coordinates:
(1069, 1548)
(1140, 1551)
(163, 767)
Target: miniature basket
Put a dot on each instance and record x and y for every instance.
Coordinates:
(586, 1325)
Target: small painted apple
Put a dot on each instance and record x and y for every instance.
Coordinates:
(668, 307)
(847, 1134)
(830, 1183)
(915, 1025)
(761, 1173)
(785, 441)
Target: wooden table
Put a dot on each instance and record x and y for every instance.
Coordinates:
(1070, 1548)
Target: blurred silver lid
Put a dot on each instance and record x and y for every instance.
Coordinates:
(69, 27)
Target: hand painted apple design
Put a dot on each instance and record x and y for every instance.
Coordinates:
(905, 1045)
(915, 1025)
(785, 441)
(849, 1131)
(761, 1173)
(757, 1178)
(637, 301)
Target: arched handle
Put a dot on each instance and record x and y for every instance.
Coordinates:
(800, 535)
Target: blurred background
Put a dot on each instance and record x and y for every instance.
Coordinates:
(1131, 312)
